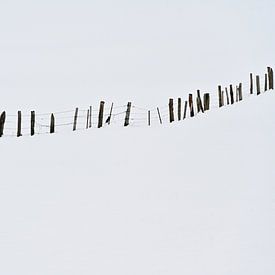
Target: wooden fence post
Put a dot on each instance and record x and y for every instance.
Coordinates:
(220, 96)
(110, 115)
(32, 123)
(185, 109)
(206, 101)
(227, 96)
(199, 102)
(100, 114)
(191, 106)
(90, 117)
(2, 123)
(237, 93)
(52, 126)
(265, 82)
(87, 119)
(160, 120)
(19, 124)
(258, 84)
(149, 118)
(171, 110)
(270, 78)
(179, 108)
(231, 94)
(127, 116)
(75, 119)
(251, 83)
(240, 92)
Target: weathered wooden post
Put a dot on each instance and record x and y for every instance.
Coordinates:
(251, 83)
(206, 101)
(110, 115)
(191, 106)
(75, 119)
(160, 120)
(270, 78)
(127, 116)
(265, 82)
(220, 96)
(2, 123)
(32, 123)
(52, 126)
(19, 124)
(179, 108)
(237, 93)
(87, 118)
(199, 102)
(100, 114)
(258, 84)
(90, 117)
(149, 118)
(240, 92)
(185, 109)
(231, 94)
(227, 96)
(171, 110)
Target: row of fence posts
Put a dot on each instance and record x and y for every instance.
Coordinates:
(268, 82)
(203, 105)
(225, 97)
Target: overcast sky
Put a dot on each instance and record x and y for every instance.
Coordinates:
(57, 54)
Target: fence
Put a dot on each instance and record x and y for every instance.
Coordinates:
(130, 115)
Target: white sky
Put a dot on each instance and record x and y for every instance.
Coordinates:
(59, 54)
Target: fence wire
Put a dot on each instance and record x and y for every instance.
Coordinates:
(138, 116)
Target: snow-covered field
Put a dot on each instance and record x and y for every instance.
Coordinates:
(195, 197)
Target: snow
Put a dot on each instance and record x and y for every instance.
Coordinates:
(194, 197)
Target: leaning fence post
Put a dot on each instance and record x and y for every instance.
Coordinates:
(75, 119)
(127, 116)
(100, 114)
(199, 102)
(179, 108)
(19, 124)
(231, 94)
(160, 120)
(191, 106)
(2, 123)
(185, 109)
(110, 115)
(52, 126)
(258, 84)
(251, 83)
(171, 110)
(32, 122)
